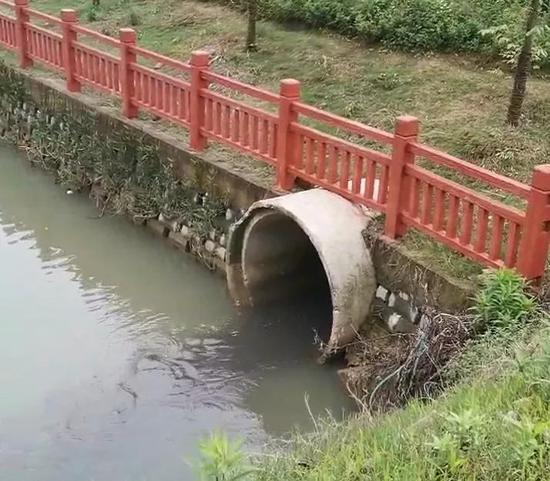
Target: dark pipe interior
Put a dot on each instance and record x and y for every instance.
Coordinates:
(281, 265)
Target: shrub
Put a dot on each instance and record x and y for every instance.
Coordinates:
(134, 19)
(503, 301)
(93, 13)
(492, 27)
(223, 460)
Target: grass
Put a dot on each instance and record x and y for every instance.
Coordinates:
(461, 101)
(430, 252)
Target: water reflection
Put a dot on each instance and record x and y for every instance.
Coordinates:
(118, 353)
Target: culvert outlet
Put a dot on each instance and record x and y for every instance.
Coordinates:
(299, 244)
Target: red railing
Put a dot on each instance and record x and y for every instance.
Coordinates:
(366, 165)
(8, 27)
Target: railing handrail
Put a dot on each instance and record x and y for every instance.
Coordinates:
(46, 32)
(471, 170)
(466, 193)
(44, 16)
(157, 57)
(5, 3)
(241, 87)
(354, 127)
(298, 149)
(95, 51)
(99, 36)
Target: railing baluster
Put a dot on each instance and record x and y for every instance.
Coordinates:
(406, 131)
(495, 252)
(511, 256)
(69, 18)
(439, 212)
(333, 165)
(452, 219)
(467, 221)
(371, 179)
(357, 175)
(344, 174)
(427, 203)
(286, 140)
(21, 19)
(482, 221)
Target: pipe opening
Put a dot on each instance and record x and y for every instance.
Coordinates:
(280, 264)
(300, 246)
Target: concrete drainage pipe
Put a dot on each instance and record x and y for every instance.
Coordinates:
(287, 246)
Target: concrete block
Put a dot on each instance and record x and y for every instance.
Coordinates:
(399, 324)
(218, 264)
(424, 321)
(229, 214)
(415, 314)
(185, 231)
(220, 253)
(165, 221)
(210, 246)
(382, 293)
(179, 241)
(157, 227)
(174, 226)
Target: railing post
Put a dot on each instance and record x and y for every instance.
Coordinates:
(199, 63)
(128, 39)
(69, 18)
(21, 18)
(533, 251)
(406, 131)
(286, 140)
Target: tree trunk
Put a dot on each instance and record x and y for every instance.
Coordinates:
(251, 32)
(524, 66)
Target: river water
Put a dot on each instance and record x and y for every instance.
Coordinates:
(118, 354)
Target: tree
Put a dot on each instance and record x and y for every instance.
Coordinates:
(523, 68)
(251, 31)
(95, 3)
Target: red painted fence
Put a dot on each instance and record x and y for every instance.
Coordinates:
(193, 96)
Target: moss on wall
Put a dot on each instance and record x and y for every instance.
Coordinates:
(128, 170)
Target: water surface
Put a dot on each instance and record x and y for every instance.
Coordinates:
(118, 353)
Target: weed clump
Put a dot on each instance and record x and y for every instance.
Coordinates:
(223, 459)
(503, 302)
